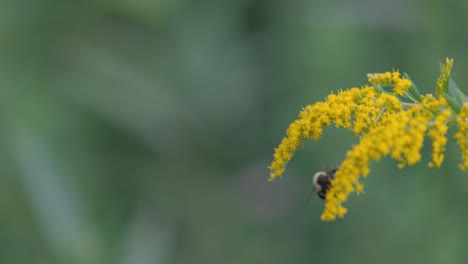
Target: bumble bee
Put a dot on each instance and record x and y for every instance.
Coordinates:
(322, 182)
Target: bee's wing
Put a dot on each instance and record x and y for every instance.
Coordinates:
(311, 194)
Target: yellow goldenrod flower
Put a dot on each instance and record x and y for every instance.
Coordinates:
(385, 78)
(462, 136)
(400, 134)
(386, 125)
(359, 188)
(437, 134)
(444, 77)
(400, 85)
(365, 103)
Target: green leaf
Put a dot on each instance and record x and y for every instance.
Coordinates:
(454, 91)
(453, 102)
(410, 96)
(379, 88)
(413, 90)
(434, 112)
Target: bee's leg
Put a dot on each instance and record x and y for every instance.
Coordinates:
(321, 194)
(311, 195)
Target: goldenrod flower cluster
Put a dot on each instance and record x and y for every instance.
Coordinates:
(386, 125)
(437, 134)
(355, 109)
(462, 136)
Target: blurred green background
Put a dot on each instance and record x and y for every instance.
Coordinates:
(141, 131)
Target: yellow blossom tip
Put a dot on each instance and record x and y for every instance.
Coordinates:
(444, 76)
(400, 84)
(359, 188)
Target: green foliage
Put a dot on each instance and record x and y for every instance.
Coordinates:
(140, 132)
